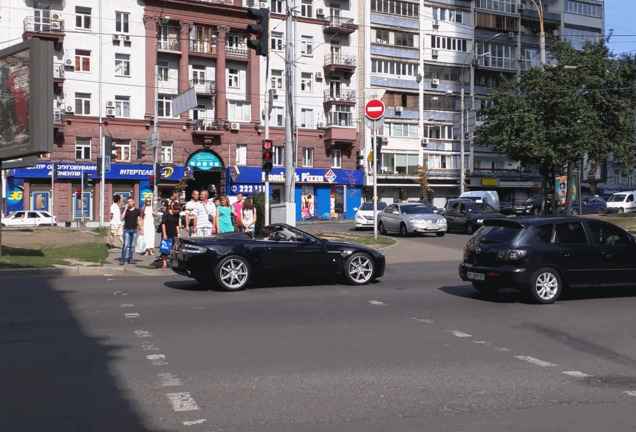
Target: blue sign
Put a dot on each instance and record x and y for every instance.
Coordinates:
(204, 160)
(323, 176)
(117, 171)
(15, 195)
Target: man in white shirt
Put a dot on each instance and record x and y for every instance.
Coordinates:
(115, 221)
(204, 215)
(190, 211)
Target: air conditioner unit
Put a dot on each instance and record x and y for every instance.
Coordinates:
(555, 32)
(250, 3)
(435, 53)
(511, 35)
(115, 37)
(55, 17)
(399, 109)
(435, 81)
(69, 108)
(320, 12)
(126, 38)
(110, 112)
(385, 140)
(68, 62)
(320, 126)
(110, 104)
(56, 25)
(319, 75)
(275, 93)
(235, 126)
(425, 141)
(435, 23)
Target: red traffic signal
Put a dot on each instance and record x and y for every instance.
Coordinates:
(260, 29)
(79, 193)
(268, 155)
(151, 179)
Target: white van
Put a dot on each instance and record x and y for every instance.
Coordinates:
(622, 202)
(489, 197)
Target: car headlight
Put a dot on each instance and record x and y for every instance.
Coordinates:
(441, 221)
(480, 221)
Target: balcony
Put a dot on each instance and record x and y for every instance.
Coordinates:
(58, 121)
(338, 97)
(45, 28)
(203, 47)
(237, 52)
(58, 78)
(208, 127)
(340, 62)
(340, 130)
(169, 45)
(339, 25)
(204, 88)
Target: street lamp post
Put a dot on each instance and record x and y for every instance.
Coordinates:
(539, 7)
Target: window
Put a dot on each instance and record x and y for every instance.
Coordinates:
(509, 6)
(588, 9)
(239, 111)
(122, 65)
(451, 15)
(391, 67)
(439, 132)
(382, 36)
(166, 151)
(403, 130)
(306, 9)
(404, 39)
(82, 61)
(607, 234)
(121, 22)
(241, 154)
(306, 118)
(308, 157)
(570, 232)
(83, 148)
(578, 37)
(306, 45)
(163, 70)
(164, 105)
(82, 18)
(448, 43)
(399, 163)
(342, 115)
(394, 7)
(278, 155)
(276, 81)
(277, 117)
(122, 106)
(83, 103)
(306, 80)
(198, 75)
(233, 78)
(336, 158)
(122, 151)
(497, 56)
(277, 41)
(277, 6)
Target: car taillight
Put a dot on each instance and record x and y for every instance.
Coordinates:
(511, 254)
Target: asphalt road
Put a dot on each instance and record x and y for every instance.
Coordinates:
(418, 351)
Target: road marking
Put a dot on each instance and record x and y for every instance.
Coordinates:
(482, 343)
(143, 334)
(501, 349)
(377, 303)
(149, 346)
(122, 293)
(182, 401)
(194, 422)
(124, 305)
(459, 334)
(535, 361)
(577, 374)
(631, 392)
(423, 320)
(132, 315)
(157, 359)
(169, 380)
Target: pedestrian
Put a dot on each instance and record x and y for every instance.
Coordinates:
(224, 215)
(170, 230)
(131, 216)
(238, 206)
(148, 214)
(189, 211)
(205, 216)
(216, 201)
(248, 216)
(115, 222)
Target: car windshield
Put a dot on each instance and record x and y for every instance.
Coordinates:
(480, 208)
(416, 209)
(500, 234)
(369, 206)
(533, 199)
(617, 198)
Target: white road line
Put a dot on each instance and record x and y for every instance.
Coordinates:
(501, 349)
(124, 305)
(143, 334)
(482, 343)
(535, 361)
(157, 359)
(577, 374)
(459, 334)
(377, 303)
(182, 401)
(169, 380)
(121, 293)
(194, 422)
(132, 315)
(149, 346)
(423, 320)
(631, 392)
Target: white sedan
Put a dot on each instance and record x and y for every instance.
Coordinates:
(364, 215)
(29, 218)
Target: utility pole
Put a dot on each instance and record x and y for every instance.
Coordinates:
(289, 105)
(539, 7)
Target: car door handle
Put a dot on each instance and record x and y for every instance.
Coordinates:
(566, 254)
(607, 254)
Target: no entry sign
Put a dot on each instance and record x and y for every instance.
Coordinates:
(374, 109)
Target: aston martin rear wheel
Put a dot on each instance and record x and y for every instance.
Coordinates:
(359, 268)
(232, 273)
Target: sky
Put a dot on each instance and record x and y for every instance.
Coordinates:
(620, 15)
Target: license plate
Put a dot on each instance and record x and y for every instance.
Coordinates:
(476, 276)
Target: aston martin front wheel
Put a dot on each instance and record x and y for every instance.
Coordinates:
(359, 269)
(232, 273)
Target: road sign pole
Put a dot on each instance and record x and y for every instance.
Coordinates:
(375, 181)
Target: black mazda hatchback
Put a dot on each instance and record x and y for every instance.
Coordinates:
(544, 256)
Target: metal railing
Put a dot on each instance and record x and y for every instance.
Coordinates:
(205, 86)
(204, 47)
(168, 45)
(330, 95)
(43, 24)
(340, 59)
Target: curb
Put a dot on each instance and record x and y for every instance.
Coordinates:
(79, 271)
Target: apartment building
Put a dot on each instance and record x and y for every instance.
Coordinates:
(114, 62)
(422, 54)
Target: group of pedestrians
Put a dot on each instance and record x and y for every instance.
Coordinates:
(203, 217)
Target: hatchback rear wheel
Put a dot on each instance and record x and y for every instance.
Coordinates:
(545, 285)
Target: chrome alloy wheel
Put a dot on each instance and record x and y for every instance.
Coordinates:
(233, 273)
(359, 268)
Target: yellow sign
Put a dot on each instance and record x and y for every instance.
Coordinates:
(489, 182)
(370, 157)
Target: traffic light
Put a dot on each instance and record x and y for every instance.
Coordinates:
(79, 193)
(100, 161)
(89, 180)
(261, 29)
(54, 173)
(151, 179)
(154, 179)
(268, 155)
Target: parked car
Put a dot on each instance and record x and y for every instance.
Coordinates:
(232, 260)
(506, 208)
(29, 218)
(364, 214)
(489, 197)
(467, 215)
(545, 255)
(407, 218)
(622, 202)
(535, 205)
(589, 204)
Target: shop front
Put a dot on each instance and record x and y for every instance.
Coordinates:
(319, 194)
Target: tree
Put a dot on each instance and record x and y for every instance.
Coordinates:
(585, 103)
(422, 180)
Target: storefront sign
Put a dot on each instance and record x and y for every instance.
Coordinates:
(204, 160)
(254, 175)
(117, 171)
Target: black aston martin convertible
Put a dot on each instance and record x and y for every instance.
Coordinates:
(235, 259)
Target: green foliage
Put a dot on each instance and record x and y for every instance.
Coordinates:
(259, 205)
(49, 256)
(555, 115)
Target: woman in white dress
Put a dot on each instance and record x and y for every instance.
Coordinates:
(148, 213)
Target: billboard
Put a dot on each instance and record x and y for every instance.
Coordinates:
(26, 95)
